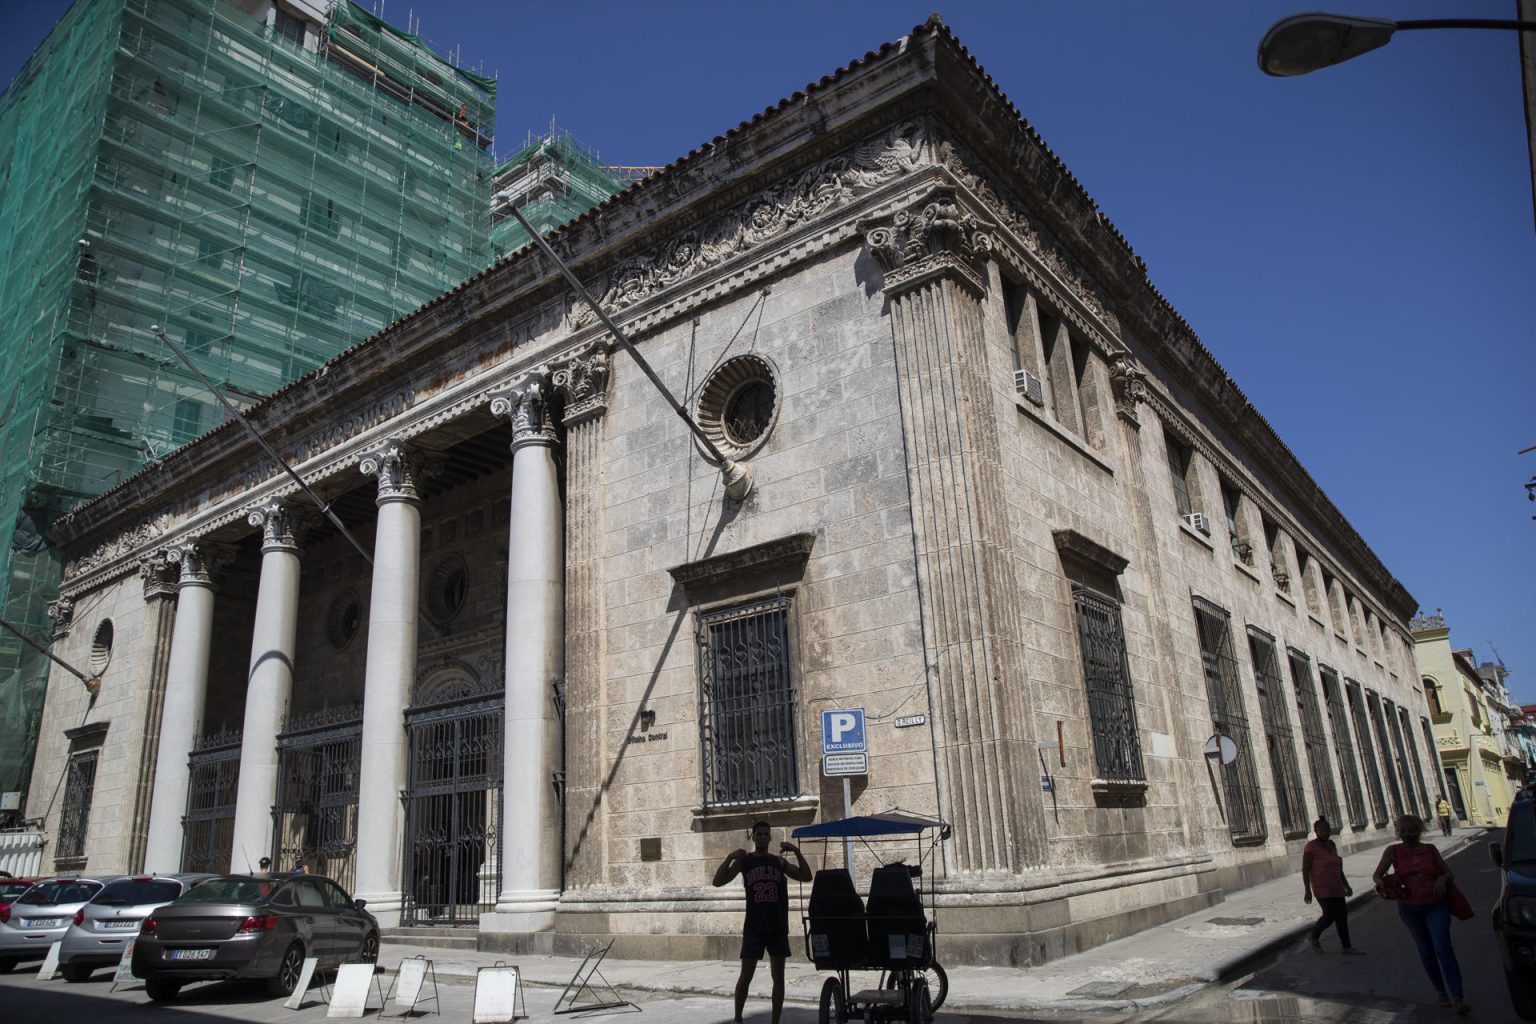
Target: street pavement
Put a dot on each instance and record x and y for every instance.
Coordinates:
(1181, 971)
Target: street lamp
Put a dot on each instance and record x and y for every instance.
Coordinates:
(1303, 43)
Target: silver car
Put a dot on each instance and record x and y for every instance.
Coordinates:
(105, 926)
(40, 917)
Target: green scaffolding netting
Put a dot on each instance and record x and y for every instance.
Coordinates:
(179, 163)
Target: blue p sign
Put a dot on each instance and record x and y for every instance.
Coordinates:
(842, 732)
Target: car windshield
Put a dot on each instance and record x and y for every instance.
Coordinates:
(132, 892)
(1520, 834)
(48, 894)
(229, 890)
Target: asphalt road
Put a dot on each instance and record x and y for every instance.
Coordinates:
(1385, 986)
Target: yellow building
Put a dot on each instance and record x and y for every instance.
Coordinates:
(1469, 717)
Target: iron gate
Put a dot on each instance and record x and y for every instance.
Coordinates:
(453, 810)
(208, 830)
(318, 760)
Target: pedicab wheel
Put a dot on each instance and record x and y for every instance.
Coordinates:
(919, 1003)
(833, 1008)
(934, 976)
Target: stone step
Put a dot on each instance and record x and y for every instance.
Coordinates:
(439, 938)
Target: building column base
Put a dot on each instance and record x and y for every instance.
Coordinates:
(527, 910)
(384, 906)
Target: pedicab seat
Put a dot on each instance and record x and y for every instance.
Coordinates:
(898, 929)
(836, 922)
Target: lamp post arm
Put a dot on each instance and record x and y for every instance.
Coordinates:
(1520, 26)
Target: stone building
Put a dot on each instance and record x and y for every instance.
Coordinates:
(1003, 499)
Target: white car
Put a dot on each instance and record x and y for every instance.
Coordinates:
(40, 917)
(105, 926)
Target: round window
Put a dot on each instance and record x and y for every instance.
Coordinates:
(101, 647)
(343, 619)
(447, 589)
(738, 404)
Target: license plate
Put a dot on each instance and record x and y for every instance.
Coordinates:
(191, 954)
(119, 924)
(41, 922)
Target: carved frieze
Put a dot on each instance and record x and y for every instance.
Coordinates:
(768, 215)
(526, 404)
(283, 526)
(62, 614)
(933, 237)
(583, 384)
(117, 547)
(398, 466)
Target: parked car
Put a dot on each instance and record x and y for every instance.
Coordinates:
(40, 917)
(252, 926)
(103, 927)
(10, 888)
(1514, 916)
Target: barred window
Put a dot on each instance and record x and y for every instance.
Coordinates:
(1245, 809)
(1343, 746)
(1312, 738)
(74, 820)
(1383, 740)
(1107, 679)
(1406, 724)
(1395, 723)
(747, 703)
(1277, 734)
(1367, 751)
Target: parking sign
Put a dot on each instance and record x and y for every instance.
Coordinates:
(842, 732)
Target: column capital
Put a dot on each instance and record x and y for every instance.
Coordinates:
(199, 561)
(526, 404)
(398, 466)
(1129, 381)
(932, 238)
(158, 575)
(283, 525)
(62, 614)
(582, 382)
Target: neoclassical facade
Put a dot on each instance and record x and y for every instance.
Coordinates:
(1003, 499)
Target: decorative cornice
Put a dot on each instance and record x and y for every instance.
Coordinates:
(582, 382)
(1073, 545)
(790, 552)
(200, 562)
(158, 576)
(62, 614)
(397, 465)
(1424, 621)
(526, 404)
(933, 238)
(283, 526)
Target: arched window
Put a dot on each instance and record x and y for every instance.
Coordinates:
(1432, 695)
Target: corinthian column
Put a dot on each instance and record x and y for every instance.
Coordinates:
(270, 684)
(530, 861)
(387, 684)
(973, 622)
(186, 690)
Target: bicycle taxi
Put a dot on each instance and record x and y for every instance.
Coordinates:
(892, 932)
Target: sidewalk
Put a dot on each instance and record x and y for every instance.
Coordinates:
(1158, 967)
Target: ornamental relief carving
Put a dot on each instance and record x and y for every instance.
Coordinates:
(583, 383)
(777, 210)
(398, 467)
(283, 526)
(935, 234)
(62, 614)
(526, 403)
(117, 547)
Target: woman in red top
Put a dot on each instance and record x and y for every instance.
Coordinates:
(1322, 875)
(1426, 881)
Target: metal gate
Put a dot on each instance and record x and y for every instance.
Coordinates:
(318, 760)
(208, 830)
(453, 810)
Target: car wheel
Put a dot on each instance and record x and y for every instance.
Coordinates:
(74, 972)
(161, 990)
(1522, 994)
(369, 954)
(287, 977)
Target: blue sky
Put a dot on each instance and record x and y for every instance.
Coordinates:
(1357, 247)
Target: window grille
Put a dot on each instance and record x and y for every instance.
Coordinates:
(1107, 679)
(1245, 809)
(1343, 746)
(79, 787)
(1384, 741)
(1277, 735)
(1397, 725)
(1367, 752)
(1312, 738)
(1413, 753)
(747, 704)
(209, 826)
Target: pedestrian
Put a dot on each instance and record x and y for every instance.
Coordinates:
(1322, 875)
(298, 864)
(1443, 812)
(766, 927)
(265, 865)
(1420, 881)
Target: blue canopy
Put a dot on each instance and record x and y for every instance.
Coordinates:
(891, 823)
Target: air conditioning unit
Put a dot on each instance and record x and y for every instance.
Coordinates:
(1028, 385)
(1200, 521)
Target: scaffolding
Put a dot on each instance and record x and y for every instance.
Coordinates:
(553, 179)
(270, 197)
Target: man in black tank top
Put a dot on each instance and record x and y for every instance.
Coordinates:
(766, 928)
